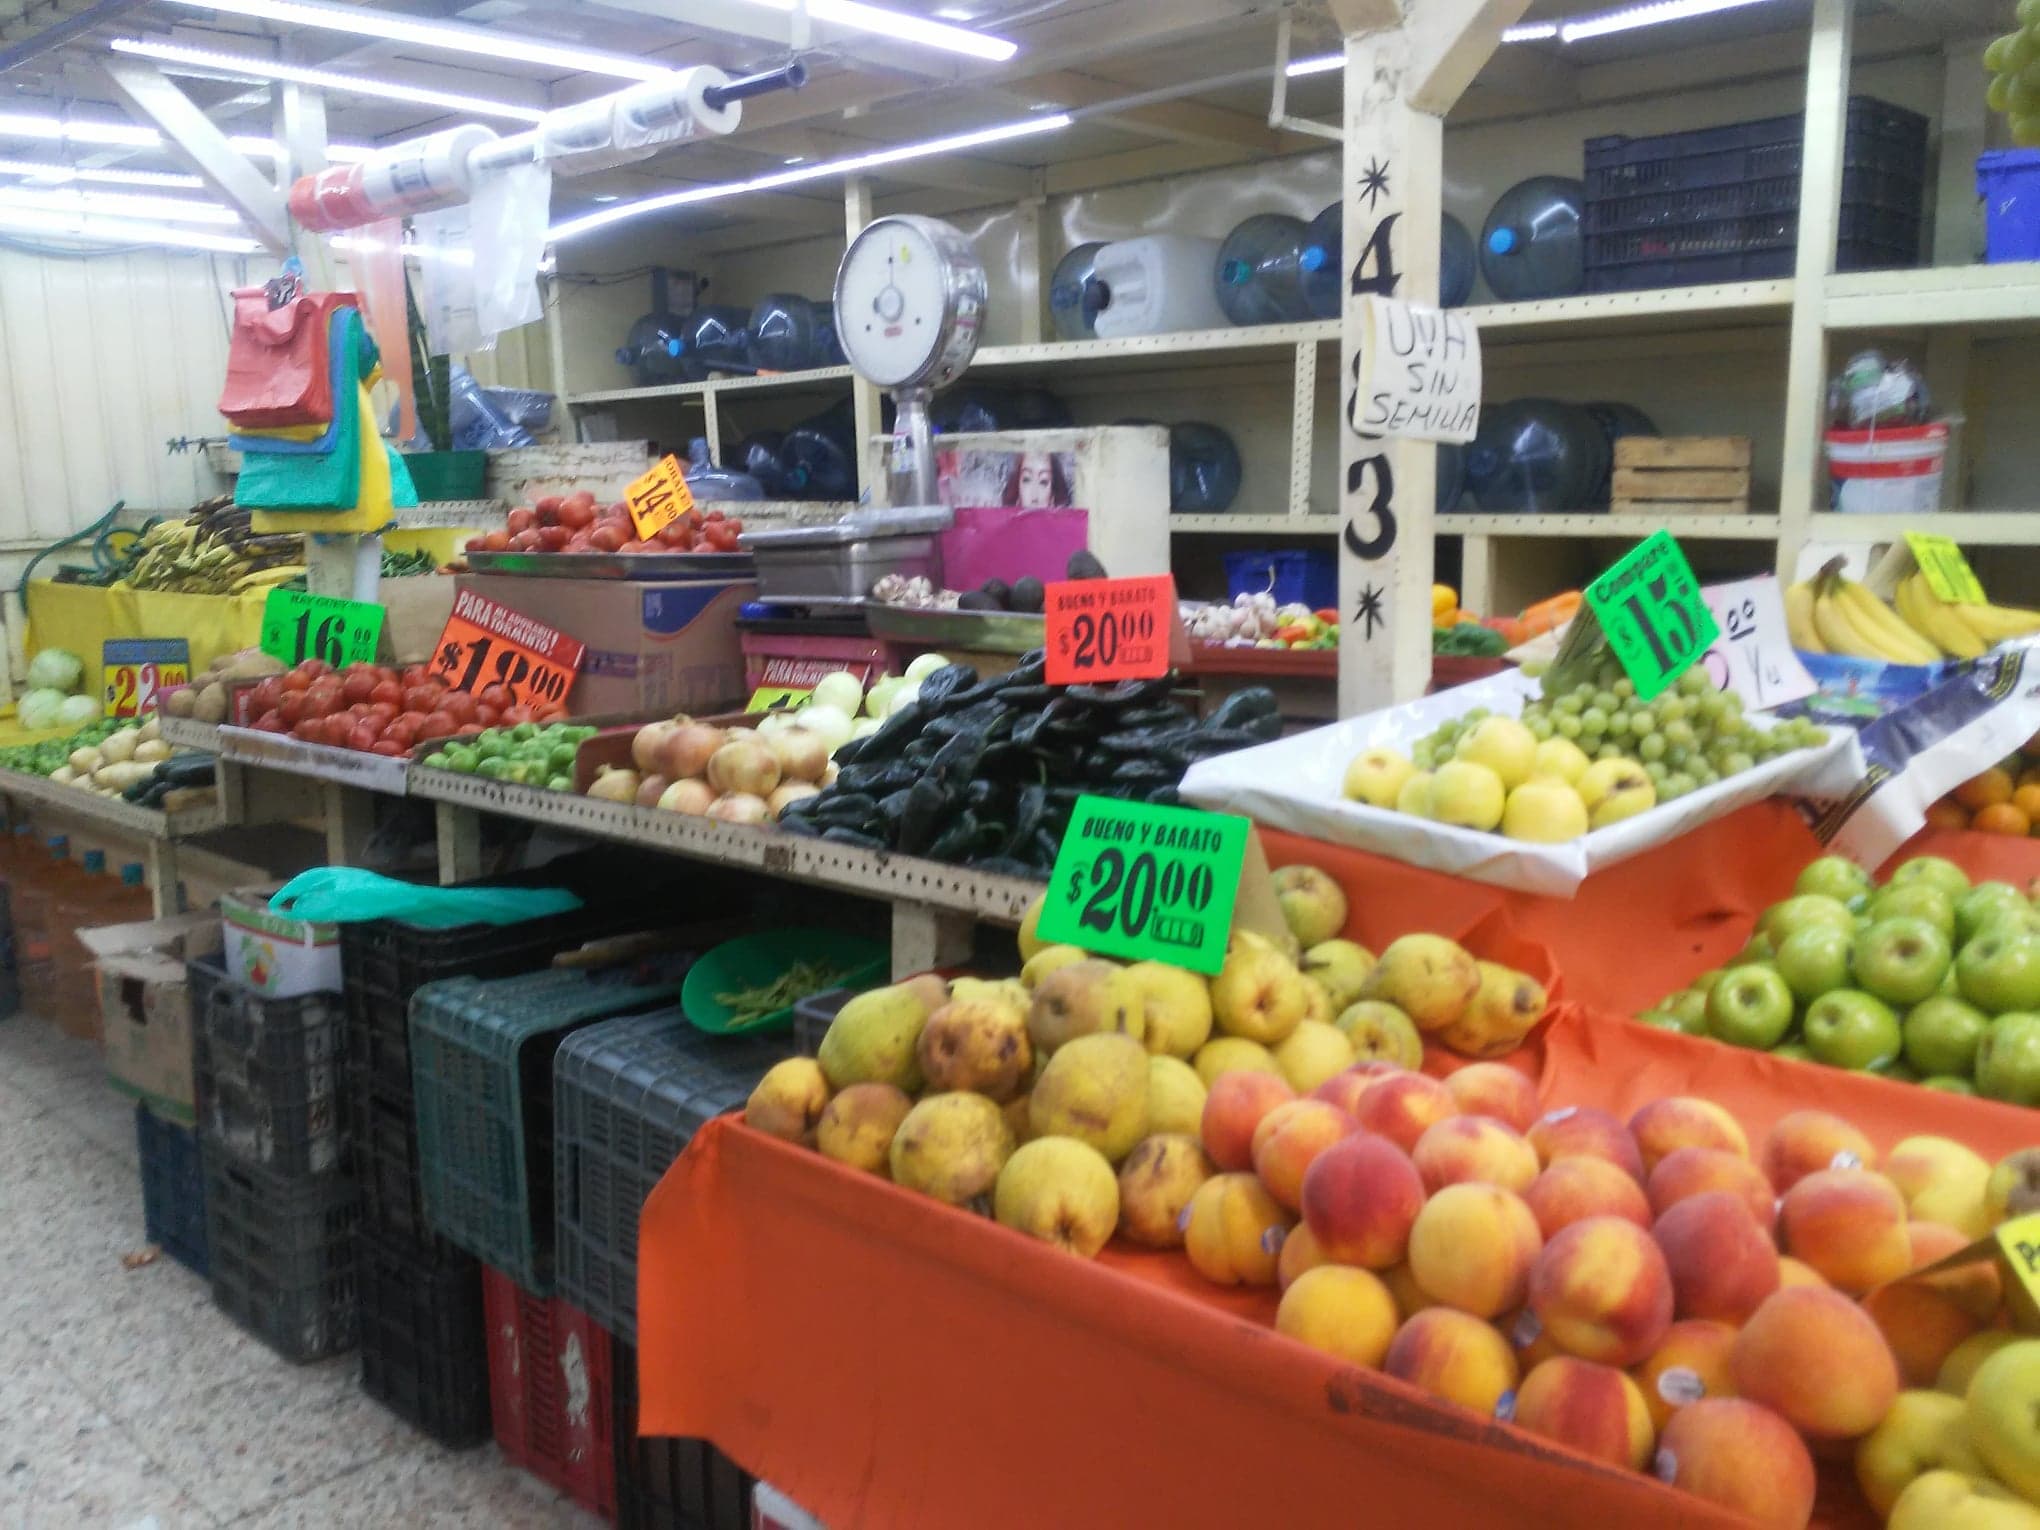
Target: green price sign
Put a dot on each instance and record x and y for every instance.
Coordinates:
(297, 626)
(1649, 606)
(1947, 572)
(1146, 882)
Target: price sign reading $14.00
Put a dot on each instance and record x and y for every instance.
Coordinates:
(1146, 882)
(297, 626)
(1650, 607)
(658, 498)
(484, 644)
(133, 671)
(1100, 630)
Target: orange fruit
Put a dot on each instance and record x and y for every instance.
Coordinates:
(1947, 814)
(2030, 776)
(2001, 818)
(2027, 800)
(1985, 789)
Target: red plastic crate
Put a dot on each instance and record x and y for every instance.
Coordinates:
(550, 1392)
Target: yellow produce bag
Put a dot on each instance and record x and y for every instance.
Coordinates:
(375, 499)
(81, 617)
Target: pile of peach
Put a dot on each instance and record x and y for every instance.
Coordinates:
(1650, 1293)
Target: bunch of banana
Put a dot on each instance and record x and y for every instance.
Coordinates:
(212, 551)
(1830, 614)
(1961, 632)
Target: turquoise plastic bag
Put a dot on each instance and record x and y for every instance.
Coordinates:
(347, 895)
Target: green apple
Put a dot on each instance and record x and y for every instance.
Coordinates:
(2000, 971)
(1689, 1005)
(1660, 1020)
(1750, 1007)
(1933, 871)
(1915, 901)
(1814, 960)
(1982, 903)
(1704, 984)
(1834, 876)
(1852, 1029)
(2008, 1059)
(1796, 1050)
(1781, 920)
(1757, 950)
(1948, 1083)
(2023, 917)
(1901, 960)
(1897, 1071)
(1941, 1035)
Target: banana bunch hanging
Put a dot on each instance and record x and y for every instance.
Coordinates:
(1831, 614)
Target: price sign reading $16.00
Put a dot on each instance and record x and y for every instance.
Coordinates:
(133, 671)
(297, 626)
(1650, 607)
(484, 644)
(1100, 630)
(1146, 882)
(658, 498)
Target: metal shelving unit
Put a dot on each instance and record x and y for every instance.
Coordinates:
(110, 815)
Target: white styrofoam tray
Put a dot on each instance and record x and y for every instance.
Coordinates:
(1295, 784)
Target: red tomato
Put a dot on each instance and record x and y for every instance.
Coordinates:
(387, 693)
(270, 722)
(383, 711)
(495, 541)
(550, 714)
(734, 524)
(512, 716)
(715, 515)
(403, 729)
(363, 736)
(359, 684)
(674, 536)
(525, 541)
(581, 499)
(422, 698)
(577, 543)
(553, 538)
(719, 538)
(388, 747)
(414, 674)
(294, 680)
(520, 519)
(290, 707)
(576, 515)
(316, 668)
(475, 544)
(635, 546)
(438, 725)
(323, 699)
(548, 506)
(459, 705)
(266, 692)
(339, 728)
(495, 695)
(312, 730)
(487, 716)
(607, 537)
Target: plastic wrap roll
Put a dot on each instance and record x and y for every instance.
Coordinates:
(635, 123)
(332, 199)
(425, 173)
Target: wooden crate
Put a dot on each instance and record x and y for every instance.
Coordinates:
(1688, 475)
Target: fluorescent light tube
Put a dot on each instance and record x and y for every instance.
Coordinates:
(90, 204)
(65, 174)
(118, 231)
(822, 170)
(451, 37)
(1530, 31)
(902, 26)
(1324, 63)
(1631, 17)
(242, 67)
(129, 135)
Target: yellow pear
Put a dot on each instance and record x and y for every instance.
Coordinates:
(1175, 1008)
(1313, 903)
(1923, 1432)
(1318, 1004)
(1082, 999)
(1312, 1053)
(1951, 1501)
(2013, 1188)
(1427, 977)
(872, 1040)
(978, 1042)
(789, 1100)
(1943, 1181)
(1376, 776)
(1048, 959)
(931, 988)
(1501, 1013)
(1258, 994)
(1030, 942)
(1965, 1359)
(951, 1146)
(1175, 1096)
(1232, 1054)
(1061, 1191)
(858, 1126)
(1339, 967)
(2003, 1410)
(1156, 1183)
(1095, 1089)
(1379, 1032)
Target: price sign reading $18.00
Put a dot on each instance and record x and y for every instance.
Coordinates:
(1650, 607)
(1100, 630)
(297, 626)
(1146, 882)
(133, 671)
(484, 644)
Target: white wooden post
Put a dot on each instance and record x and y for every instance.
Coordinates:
(864, 400)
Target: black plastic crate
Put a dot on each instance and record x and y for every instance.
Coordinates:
(173, 1188)
(383, 1136)
(10, 979)
(268, 1072)
(282, 1255)
(627, 1096)
(424, 1343)
(671, 1484)
(813, 1016)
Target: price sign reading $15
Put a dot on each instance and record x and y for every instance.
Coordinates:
(1100, 630)
(484, 643)
(1146, 882)
(133, 671)
(658, 498)
(1650, 607)
(297, 626)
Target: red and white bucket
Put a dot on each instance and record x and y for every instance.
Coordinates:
(1892, 470)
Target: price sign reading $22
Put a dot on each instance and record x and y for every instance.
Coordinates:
(1100, 630)
(485, 644)
(1146, 882)
(133, 672)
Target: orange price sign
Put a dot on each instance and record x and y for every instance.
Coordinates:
(658, 498)
(484, 643)
(1112, 629)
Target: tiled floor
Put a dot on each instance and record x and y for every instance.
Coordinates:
(127, 1400)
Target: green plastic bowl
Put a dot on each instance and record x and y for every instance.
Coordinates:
(752, 961)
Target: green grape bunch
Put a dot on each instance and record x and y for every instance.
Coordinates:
(1688, 737)
(2013, 62)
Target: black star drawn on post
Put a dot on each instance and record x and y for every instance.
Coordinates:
(1374, 182)
(1370, 615)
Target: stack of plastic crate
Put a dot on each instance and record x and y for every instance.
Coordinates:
(280, 1208)
(627, 1096)
(173, 1188)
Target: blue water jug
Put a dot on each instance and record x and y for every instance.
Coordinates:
(787, 333)
(1451, 476)
(712, 339)
(645, 344)
(1456, 263)
(1616, 420)
(758, 455)
(1204, 468)
(706, 481)
(1530, 246)
(818, 460)
(1258, 277)
(1319, 261)
(1075, 295)
(1535, 454)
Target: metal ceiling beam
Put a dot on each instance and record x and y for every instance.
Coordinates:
(1175, 121)
(190, 134)
(59, 32)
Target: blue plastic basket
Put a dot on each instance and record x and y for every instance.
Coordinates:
(2008, 180)
(1294, 576)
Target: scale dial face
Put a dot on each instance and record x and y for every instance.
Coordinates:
(909, 299)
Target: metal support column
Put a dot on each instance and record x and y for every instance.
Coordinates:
(924, 937)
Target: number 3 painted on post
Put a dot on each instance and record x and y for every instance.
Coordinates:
(1378, 545)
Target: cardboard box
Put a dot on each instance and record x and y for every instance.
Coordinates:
(145, 1007)
(416, 609)
(272, 953)
(651, 646)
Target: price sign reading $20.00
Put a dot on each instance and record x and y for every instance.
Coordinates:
(297, 626)
(133, 671)
(1146, 882)
(1650, 607)
(1100, 630)
(484, 644)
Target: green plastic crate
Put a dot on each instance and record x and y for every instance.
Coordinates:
(481, 1069)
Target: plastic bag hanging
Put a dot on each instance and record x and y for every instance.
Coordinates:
(508, 218)
(347, 894)
(444, 244)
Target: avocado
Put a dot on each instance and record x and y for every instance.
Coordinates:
(976, 600)
(1000, 592)
(1084, 564)
(1027, 595)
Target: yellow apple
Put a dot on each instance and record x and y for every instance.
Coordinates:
(1175, 1096)
(1376, 776)
(1544, 810)
(1562, 758)
(1414, 796)
(1502, 744)
(1923, 1432)
(1468, 794)
(1614, 790)
(1951, 1501)
(2004, 1416)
